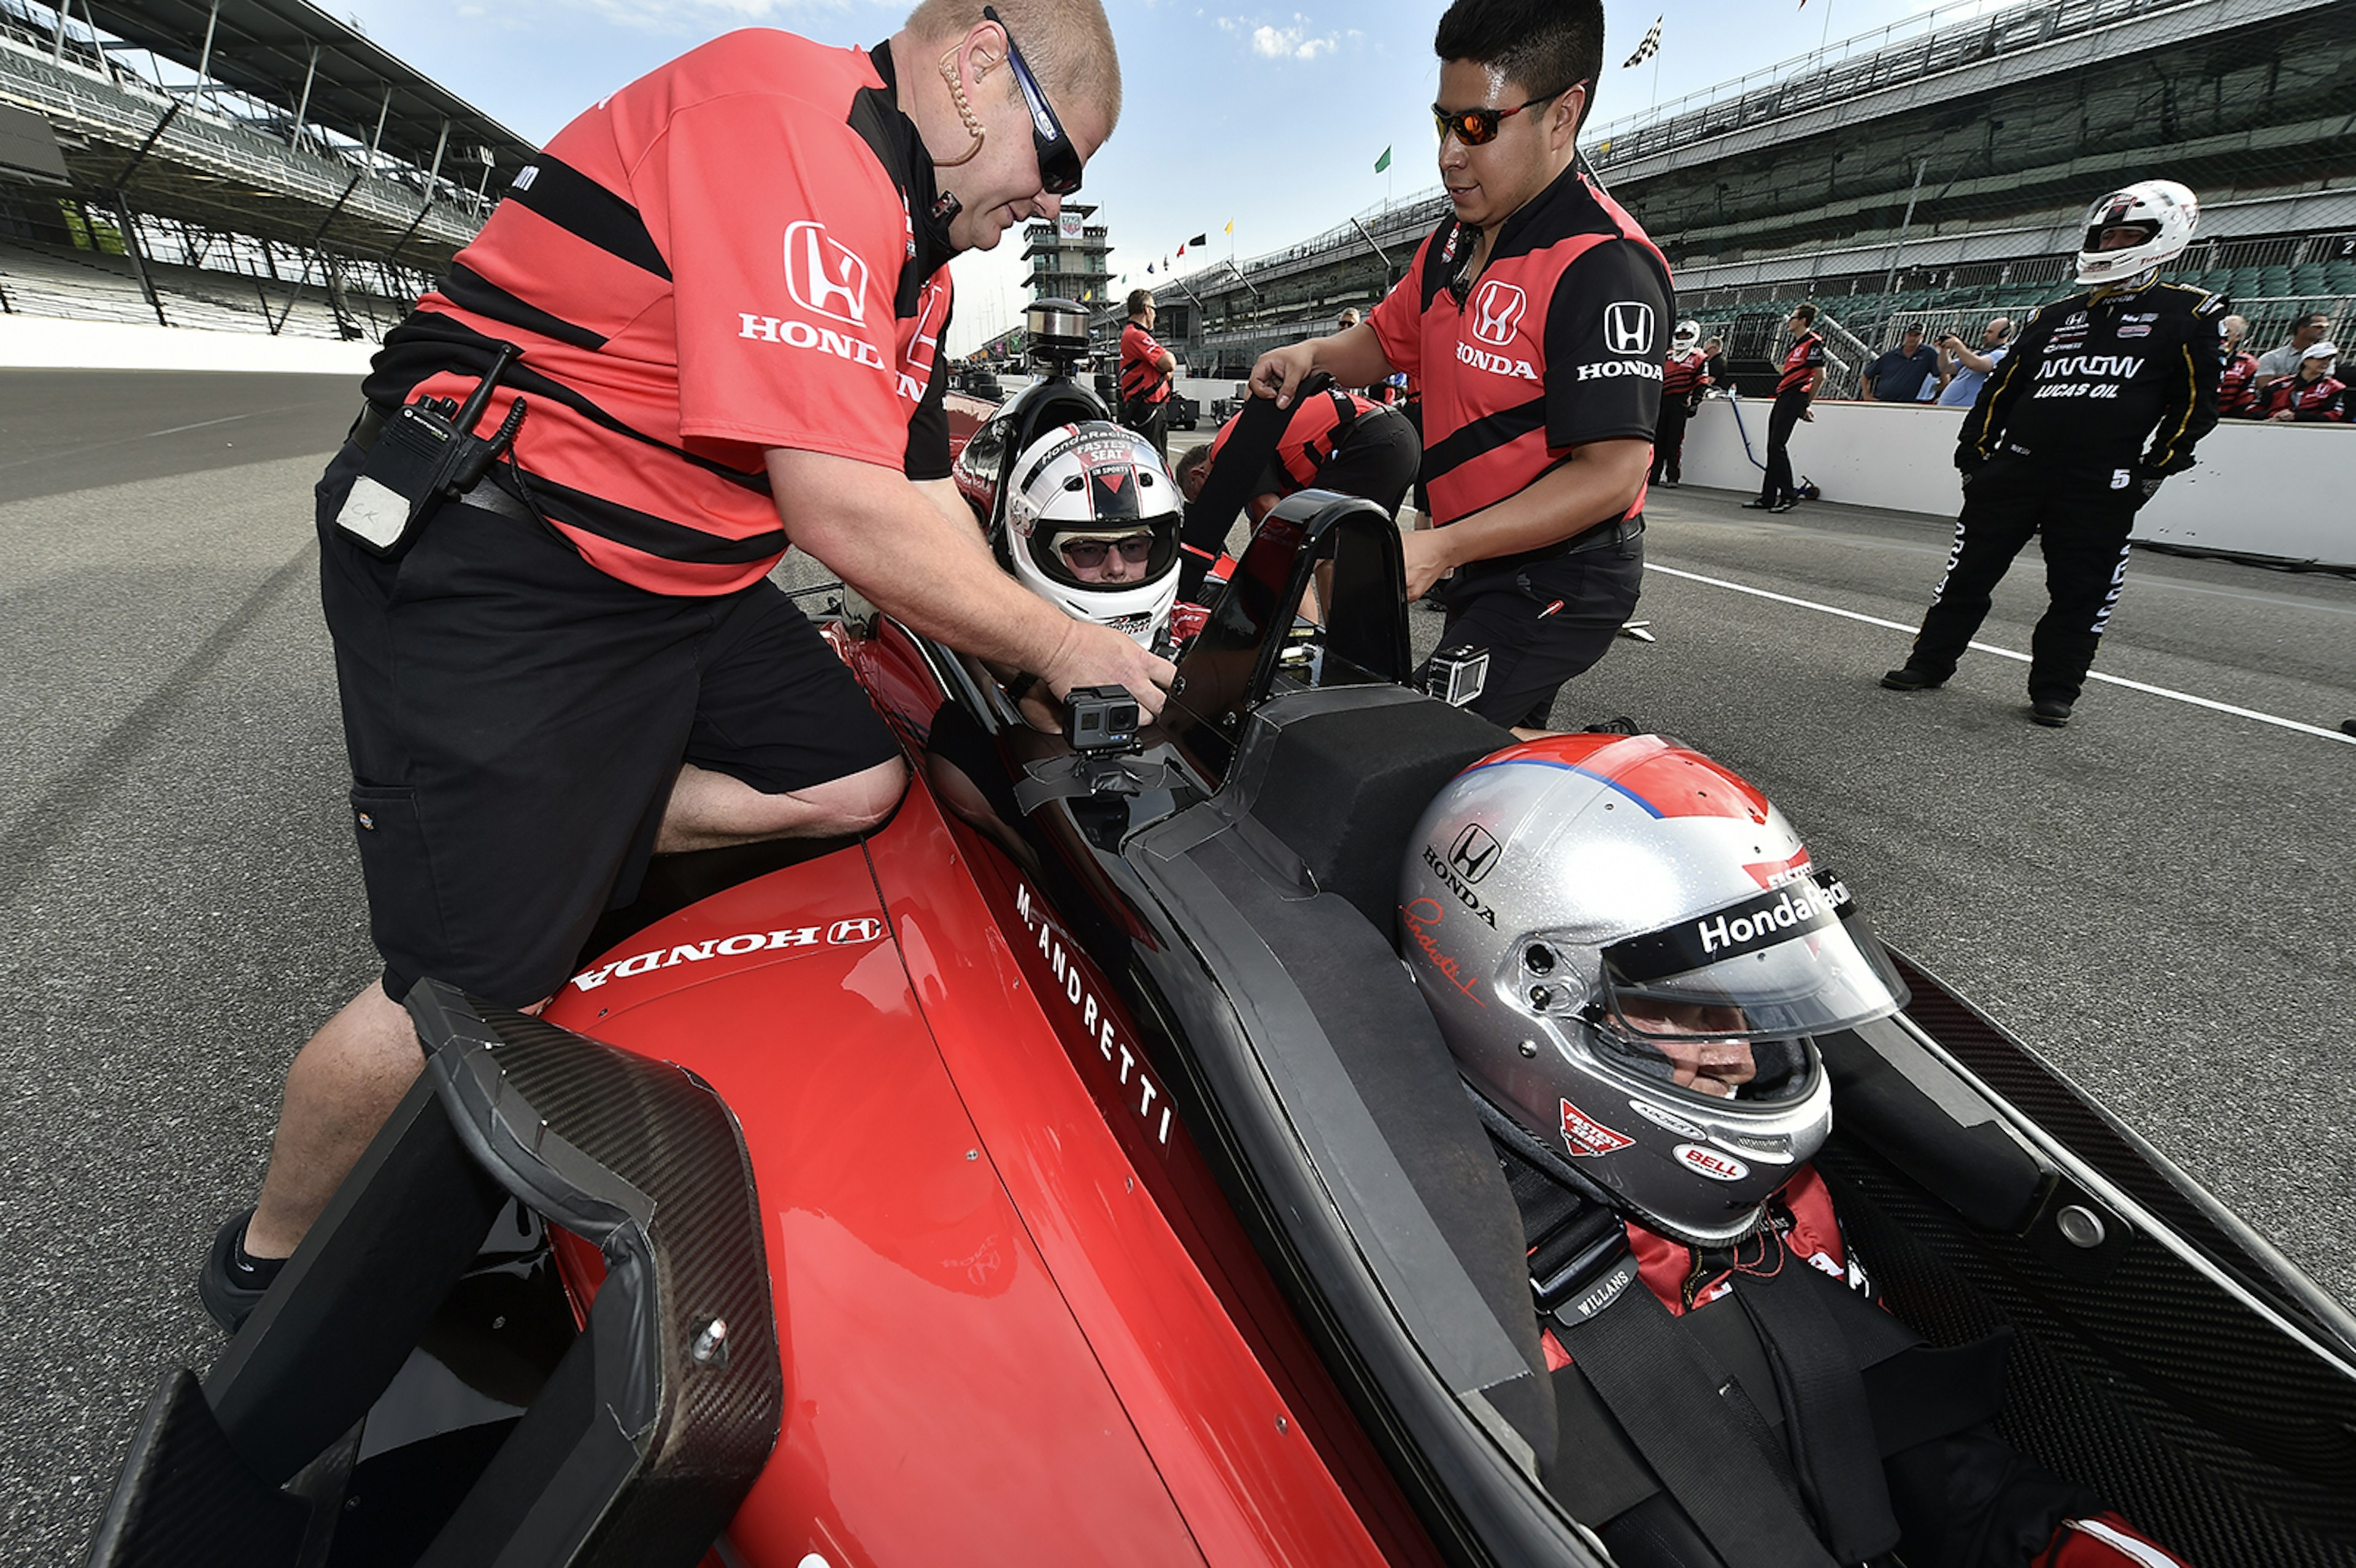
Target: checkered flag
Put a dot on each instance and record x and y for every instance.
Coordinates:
(1645, 50)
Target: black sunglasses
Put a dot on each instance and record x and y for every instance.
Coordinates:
(1478, 127)
(1059, 161)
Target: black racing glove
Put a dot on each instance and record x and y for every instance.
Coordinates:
(1968, 459)
(2147, 484)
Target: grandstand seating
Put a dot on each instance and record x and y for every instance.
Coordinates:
(87, 285)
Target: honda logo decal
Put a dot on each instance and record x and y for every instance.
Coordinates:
(1496, 310)
(1474, 852)
(824, 275)
(1628, 327)
(844, 933)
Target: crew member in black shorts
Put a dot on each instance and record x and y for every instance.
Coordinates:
(579, 660)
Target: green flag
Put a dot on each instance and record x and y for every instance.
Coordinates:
(1384, 161)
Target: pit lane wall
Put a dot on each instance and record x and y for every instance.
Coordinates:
(2268, 490)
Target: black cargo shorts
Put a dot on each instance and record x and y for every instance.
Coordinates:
(516, 718)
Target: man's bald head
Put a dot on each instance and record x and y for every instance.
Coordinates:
(1066, 43)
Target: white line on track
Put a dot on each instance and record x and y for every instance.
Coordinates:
(2171, 694)
(145, 435)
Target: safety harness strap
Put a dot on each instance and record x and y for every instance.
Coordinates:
(1677, 1405)
(1825, 1411)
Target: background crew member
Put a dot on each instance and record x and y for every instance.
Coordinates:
(2313, 396)
(2054, 444)
(1334, 441)
(583, 661)
(1535, 320)
(1803, 365)
(1685, 376)
(2237, 392)
(1146, 368)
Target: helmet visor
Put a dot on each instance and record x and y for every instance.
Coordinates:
(1795, 960)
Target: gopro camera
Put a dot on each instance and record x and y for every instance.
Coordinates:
(1455, 675)
(1100, 718)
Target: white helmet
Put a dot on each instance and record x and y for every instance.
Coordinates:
(1631, 953)
(1686, 337)
(2163, 210)
(1096, 492)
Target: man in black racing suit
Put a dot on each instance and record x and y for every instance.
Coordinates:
(2056, 445)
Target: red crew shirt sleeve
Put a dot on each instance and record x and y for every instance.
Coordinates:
(1397, 321)
(784, 273)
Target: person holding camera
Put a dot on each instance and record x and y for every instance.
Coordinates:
(1965, 369)
(2056, 444)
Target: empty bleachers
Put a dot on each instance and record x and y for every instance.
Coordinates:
(90, 285)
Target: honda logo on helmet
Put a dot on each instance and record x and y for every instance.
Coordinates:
(1628, 327)
(1474, 852)
(825, 275)
(1496, 309)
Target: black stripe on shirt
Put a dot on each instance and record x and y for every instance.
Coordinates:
(1482, 436)
(647, 534)
(588, 211)
(469, 290)
(429, 342)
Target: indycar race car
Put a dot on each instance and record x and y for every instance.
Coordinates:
(1069, 1171)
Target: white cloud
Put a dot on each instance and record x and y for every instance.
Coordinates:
(1295, 42)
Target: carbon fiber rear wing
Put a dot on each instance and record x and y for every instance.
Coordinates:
(644, 1440)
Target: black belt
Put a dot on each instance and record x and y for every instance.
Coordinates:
(487, 493)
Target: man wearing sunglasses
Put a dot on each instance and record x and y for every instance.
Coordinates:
(1535, 320)
(728, 282)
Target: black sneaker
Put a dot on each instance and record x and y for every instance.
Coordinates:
(231, 1283)
(1757, 506)
(1909, 678)
(2348, 726)
(1786, 505)
(2049, 712)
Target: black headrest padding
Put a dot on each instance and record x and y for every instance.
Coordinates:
(1344, 790)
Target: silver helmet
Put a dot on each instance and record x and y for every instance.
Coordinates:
(1630, 952)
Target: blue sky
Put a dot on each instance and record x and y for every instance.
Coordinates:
(1269, 115)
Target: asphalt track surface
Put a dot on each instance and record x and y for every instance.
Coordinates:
(2158, 898)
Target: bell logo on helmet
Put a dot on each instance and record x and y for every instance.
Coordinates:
(1474, 853)
(1589, 1137)
(1710, 1162)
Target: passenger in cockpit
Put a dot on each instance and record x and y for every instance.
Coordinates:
(1631, 956)
(1092, 521)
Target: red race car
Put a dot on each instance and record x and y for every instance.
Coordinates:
(1069, 1172)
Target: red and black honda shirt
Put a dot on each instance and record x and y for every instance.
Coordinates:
(2324, 400)
(1317, 429)
(1141, 380)
(1801, 365)
(734, 252)
(1683, 374)
(2235, 395)
(1557, 343)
